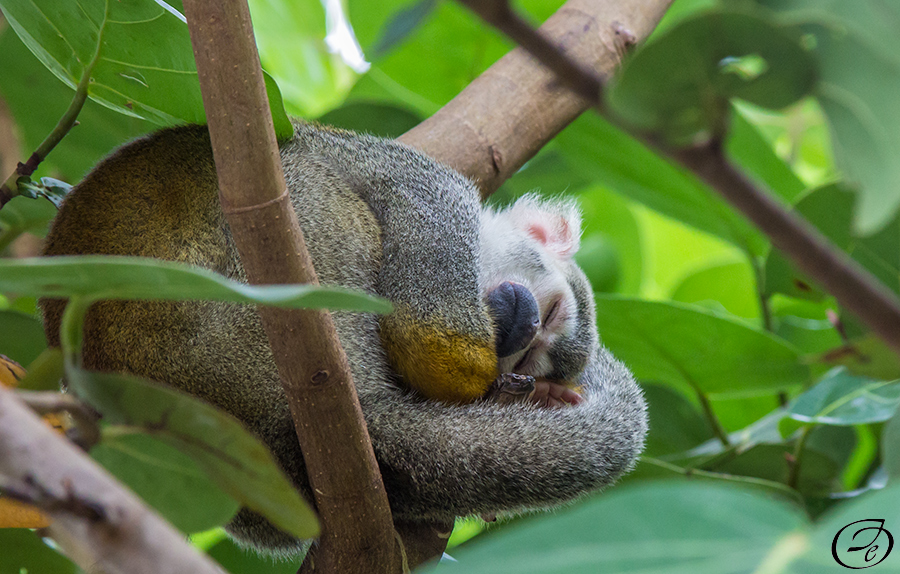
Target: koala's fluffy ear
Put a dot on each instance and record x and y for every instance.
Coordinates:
(555, 224)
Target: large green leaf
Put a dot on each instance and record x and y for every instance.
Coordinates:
(227, 452)
(673, 343)
(23, 552)
(23, 214)
(382, 120)
(672, 527)
(438, 58)
(680, 83)
(167, 479)
(755, 155)
(604, 153)
(686, 528)
(608, 220)
(858, 53)
(830, 531)
(841, 398)
(677, 424)
(241, 560)
(144, 61)
(37, 100)
(106, 277)
(728, 286)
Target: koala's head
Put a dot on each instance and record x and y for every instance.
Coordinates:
(541, 302)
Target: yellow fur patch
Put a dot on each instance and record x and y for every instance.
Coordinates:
(440, 364)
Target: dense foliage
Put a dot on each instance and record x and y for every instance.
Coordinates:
(772, 410)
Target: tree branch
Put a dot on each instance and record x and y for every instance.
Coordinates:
(100, 524)
(854, 287)
(357, 532)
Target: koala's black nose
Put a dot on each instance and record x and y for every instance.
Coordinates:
(516, 317)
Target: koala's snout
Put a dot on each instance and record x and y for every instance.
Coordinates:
(516, 317)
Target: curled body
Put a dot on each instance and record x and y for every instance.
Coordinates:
(379, 217)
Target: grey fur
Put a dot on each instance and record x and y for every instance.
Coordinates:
(379, 217)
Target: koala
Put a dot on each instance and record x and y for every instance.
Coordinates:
(382, 218)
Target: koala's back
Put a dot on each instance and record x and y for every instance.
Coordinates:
(158, 197)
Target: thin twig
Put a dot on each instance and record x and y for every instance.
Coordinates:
(745, 480)
(498, 13)
(9, 188)
(795, 462)
(711, 417)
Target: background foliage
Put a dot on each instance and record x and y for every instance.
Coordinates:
(772, 410)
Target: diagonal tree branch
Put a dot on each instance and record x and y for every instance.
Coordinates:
(852, 285)
(515, 107)
(101, 525)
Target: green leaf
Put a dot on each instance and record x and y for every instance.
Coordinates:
(146, 66)
(236, 559)
(23, 552)
(433, 64)
(45, 372)
(291, 36)
(606, 154)
(805, 324)
(855, 45)
(678, 344)
(144, 61)
(166, 479)
(728, 286)
(844, 399)
(680, 83)
(599, 259)
(755, 155)
(281, 123)
(890, 447)
(37, 100)
(106, 277)
(23, 214)
(402, 24)
(677, 424)
(227, 452)
(610, 217)
(382, 120)
(22, 337)
(881, 504)
(673, 527)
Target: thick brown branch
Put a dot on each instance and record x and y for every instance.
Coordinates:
(515, 107)
(99, 523)
(357, 532)
(855, 288)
